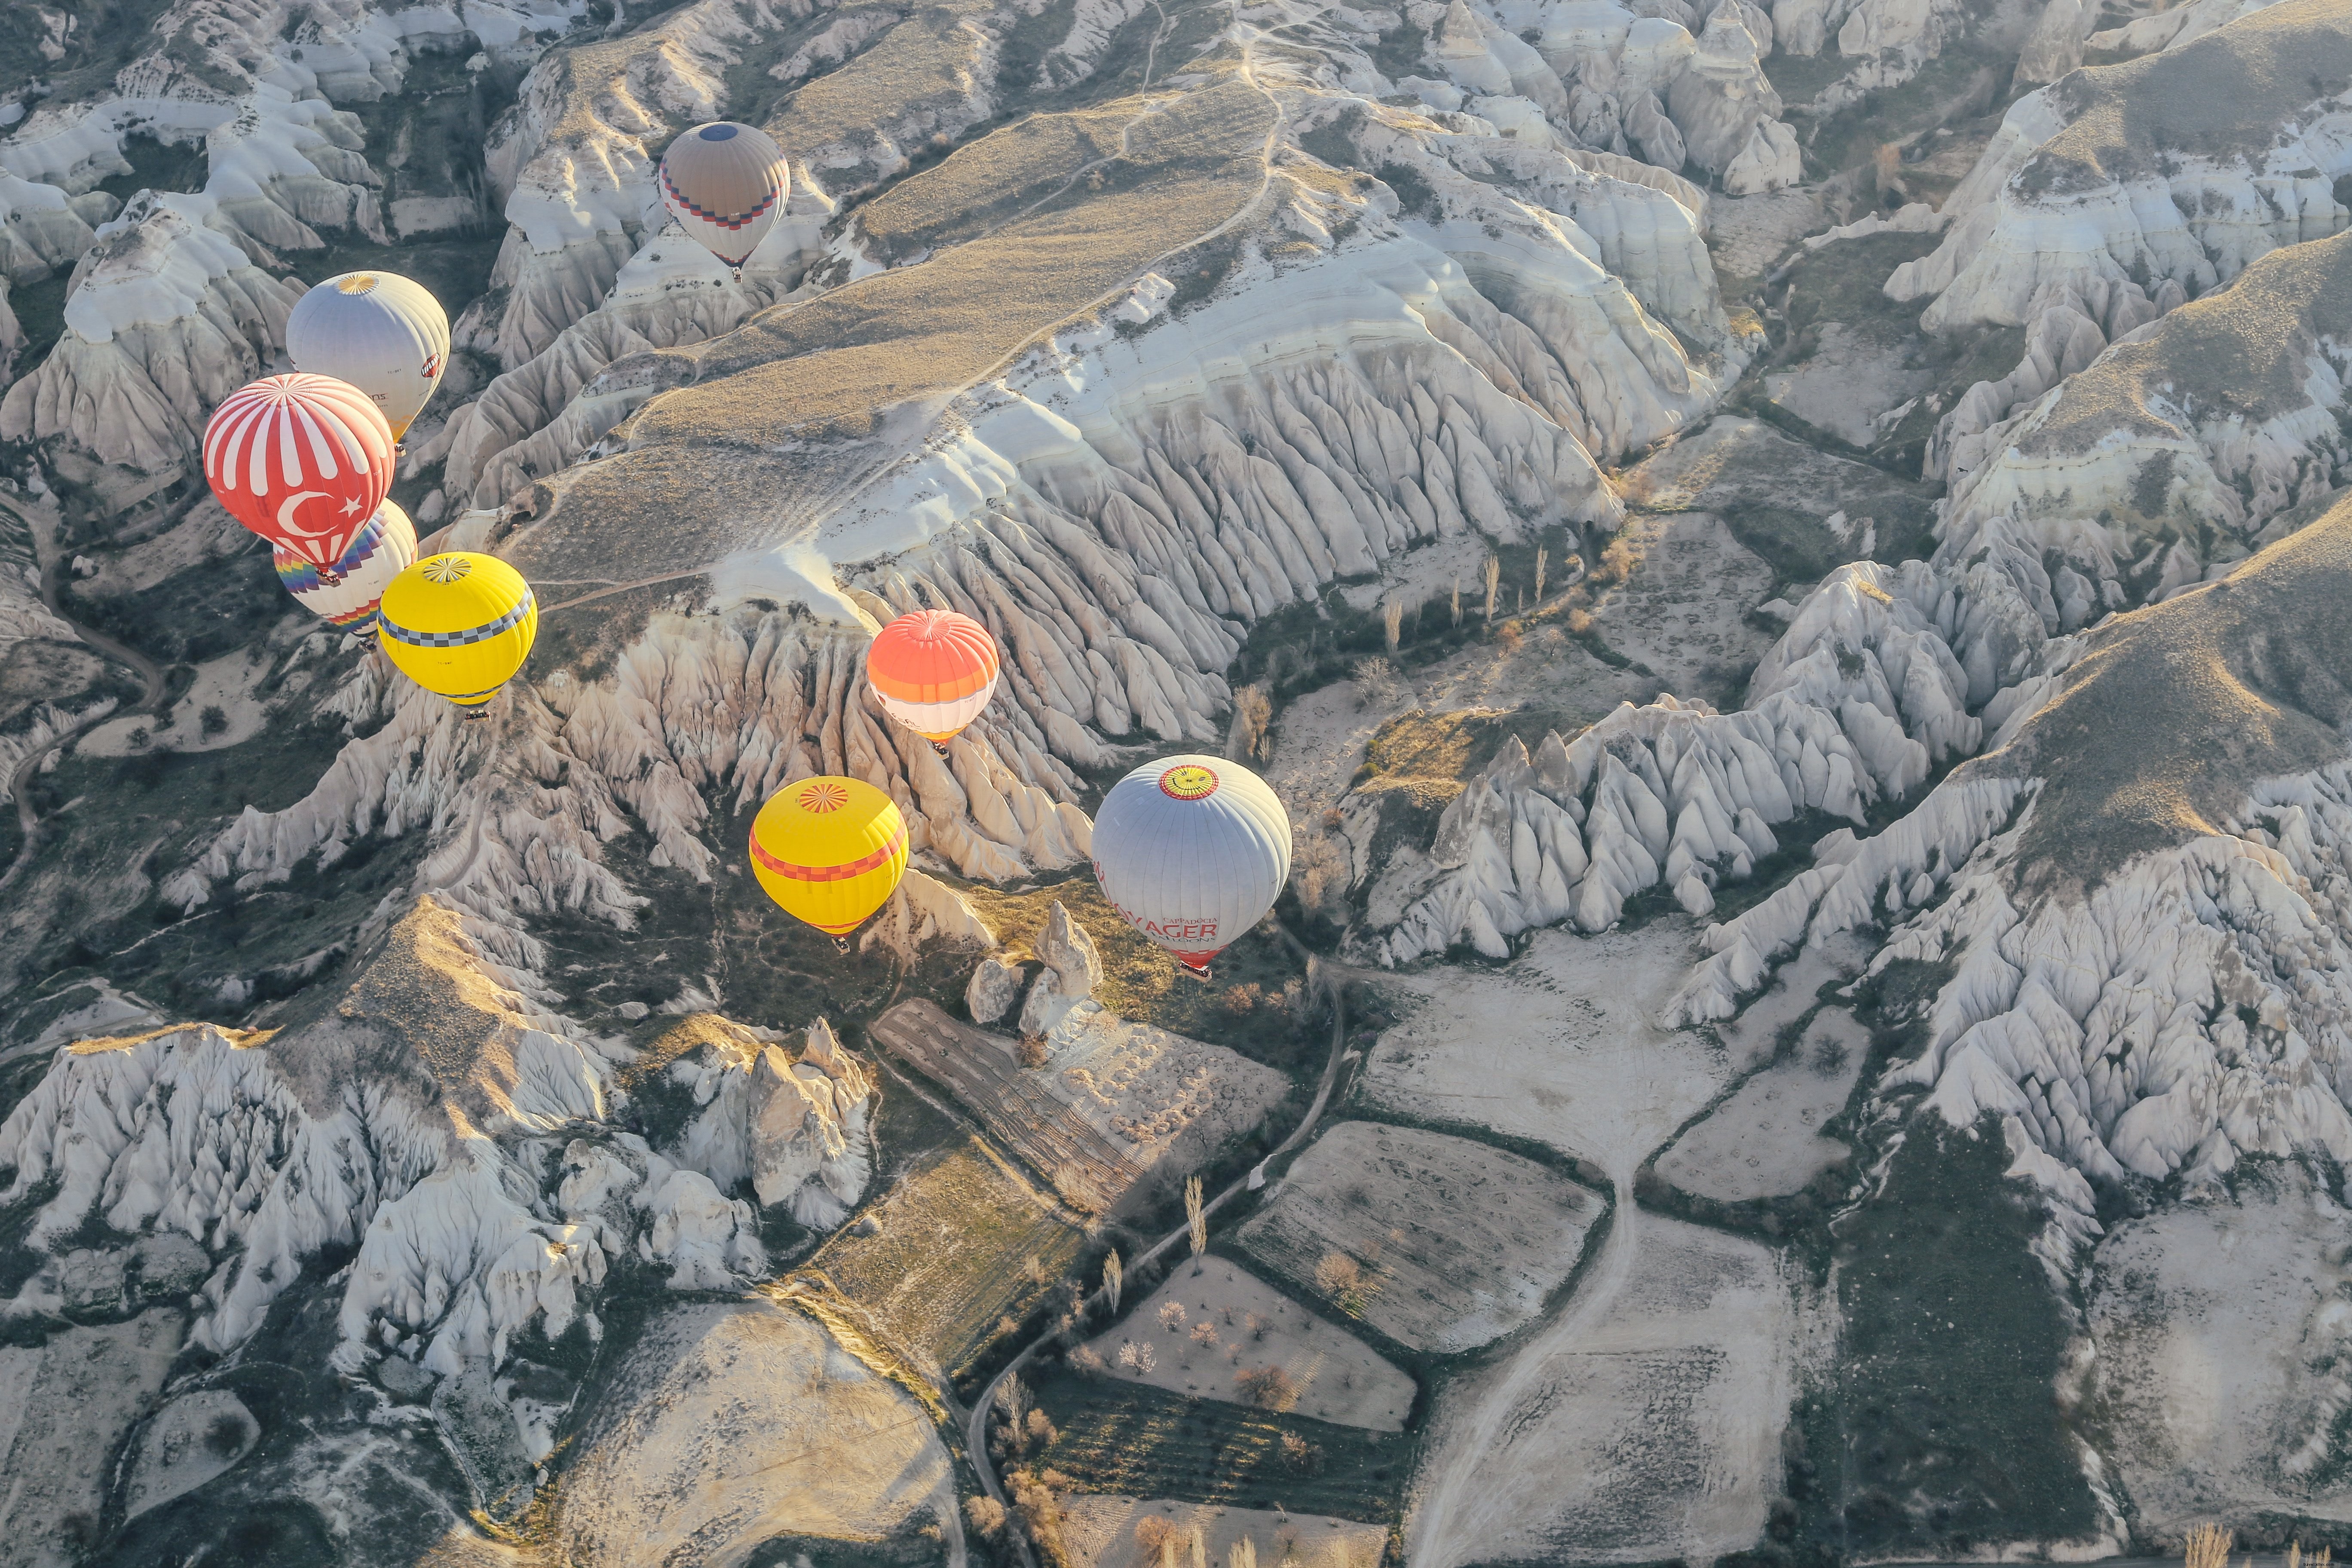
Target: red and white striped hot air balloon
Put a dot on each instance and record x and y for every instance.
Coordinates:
(302, 460)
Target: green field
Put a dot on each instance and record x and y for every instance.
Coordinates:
(1141, 1441)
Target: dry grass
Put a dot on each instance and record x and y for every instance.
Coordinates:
(2208, 1546)
(2176, 710)
(951, 1260)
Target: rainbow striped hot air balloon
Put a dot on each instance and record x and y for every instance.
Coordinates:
(830, 851)
(382, 550)
(933, 671)
(459, 625)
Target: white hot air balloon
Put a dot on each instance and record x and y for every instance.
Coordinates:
(1191, 852)
(384, 333)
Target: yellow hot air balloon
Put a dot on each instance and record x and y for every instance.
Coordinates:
(830, 851)
(458, 625)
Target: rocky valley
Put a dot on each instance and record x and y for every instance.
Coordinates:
(1782, 561)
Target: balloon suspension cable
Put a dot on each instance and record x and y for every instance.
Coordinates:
(841, 945)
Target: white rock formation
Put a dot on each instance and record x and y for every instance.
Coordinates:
(2160, 464)
(404, 1123)
(2147, 973)
(1861, 700)
(995, 986)
(1073, 969)
(166, 317)
(795, 1131)
(1622, 79)
(2081, 188)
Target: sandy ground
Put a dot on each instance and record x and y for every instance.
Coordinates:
(1642, 1424)
(1464, 1240)
(1681, 612)
(1561, 1046)
(732, 1423)
(1765, 1140)
(1851, 380)
(227, 683)
(64, 1408)
(2224, 1352)
(1747, 234)
(1340, 1379)
(1100, 1530)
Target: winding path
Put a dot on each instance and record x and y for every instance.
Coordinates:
(151, 680)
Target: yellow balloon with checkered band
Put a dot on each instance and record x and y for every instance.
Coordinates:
(459, 624)
(830, 851)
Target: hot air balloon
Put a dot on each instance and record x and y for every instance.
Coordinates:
(933, 671)
(378, 553)
(725, 183)
(301, 461)
(1191, 851)
(458, 625)
(384, 333)
(830, 851)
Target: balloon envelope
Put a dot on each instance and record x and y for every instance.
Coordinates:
(384, 333)
(933, 671)
(725, 183)
(830, 851)
(458, 625)
(379, 552)
(302, 460)
(1191, 852)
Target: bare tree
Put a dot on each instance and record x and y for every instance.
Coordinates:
(1393, 621)
(1252, 711)
(1542, 556)
(1494, 578)
(1113, 1278)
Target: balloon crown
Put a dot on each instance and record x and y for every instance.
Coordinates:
(719, 132)
(356, 282)
(1187, 780)
(447, 568)
(821, 798)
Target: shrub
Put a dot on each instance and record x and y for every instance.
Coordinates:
(212, 721)
(1241, 1000)
(1337, 1274)
(1299, 1456)
(1137, 1358)
(1086, 1362)
(1171, 1316)
(1378, 685)
(1204, 1334)
(1032, 1051)
(1267, 1387)
(986, 1514)
(225, 1436)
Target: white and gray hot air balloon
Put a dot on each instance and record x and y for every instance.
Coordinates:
(1191, 852)
(384, 333)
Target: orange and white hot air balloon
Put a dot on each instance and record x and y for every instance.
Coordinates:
(302, 460)
(830, 851)
(933, 671)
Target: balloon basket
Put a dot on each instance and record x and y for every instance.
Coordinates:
(941, 747)
(478, 714)
(841, 945)
(1198, 971)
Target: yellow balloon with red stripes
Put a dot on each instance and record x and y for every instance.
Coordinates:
(830, 851)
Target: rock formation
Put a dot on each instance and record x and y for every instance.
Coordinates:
(2105, 178)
